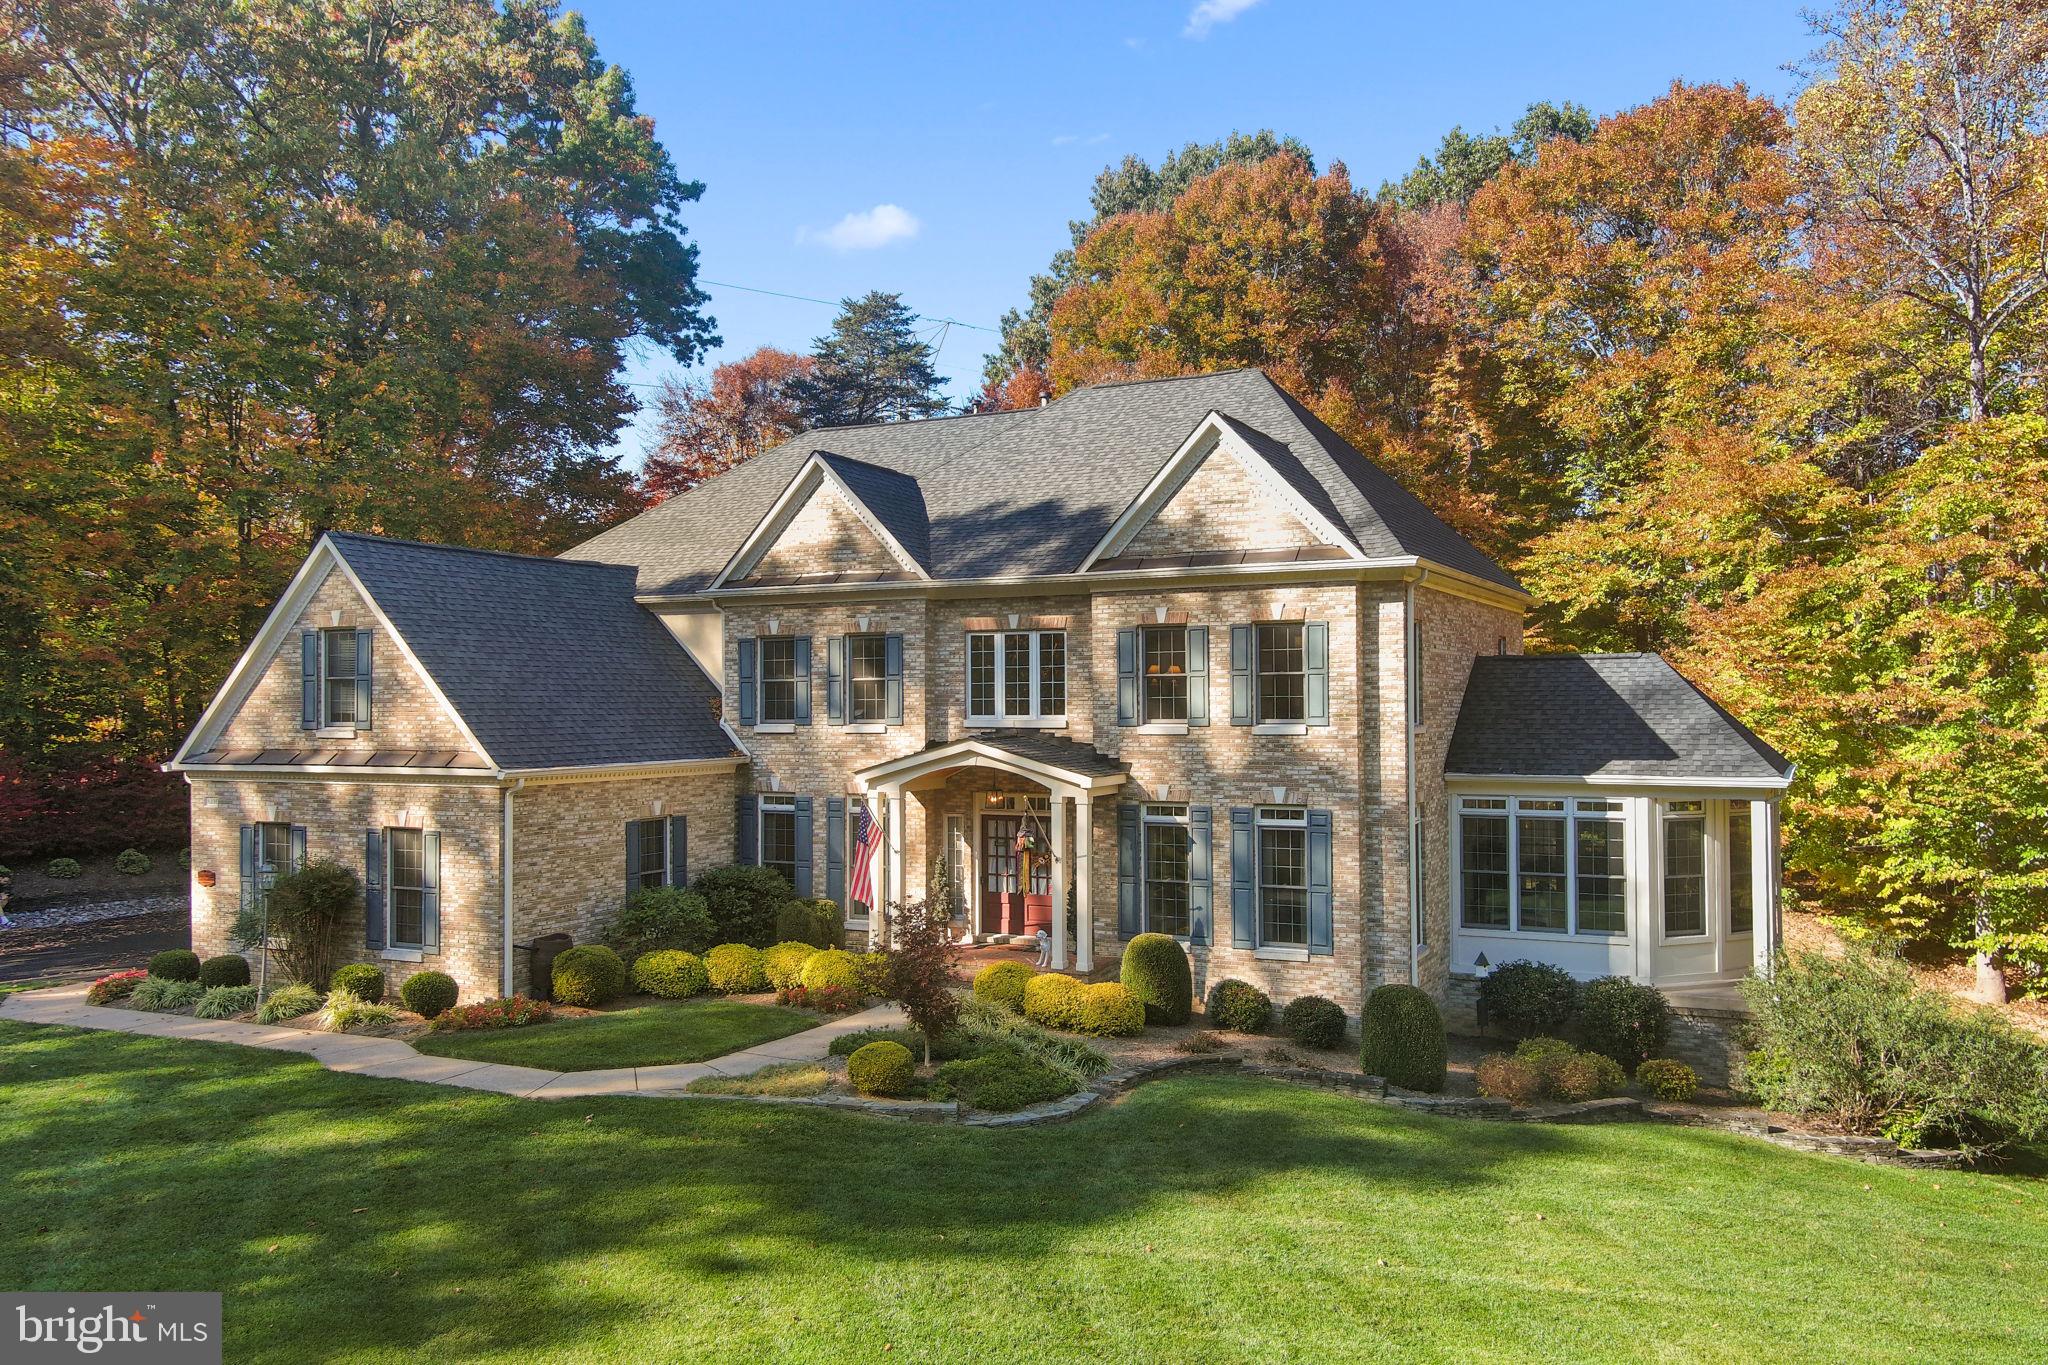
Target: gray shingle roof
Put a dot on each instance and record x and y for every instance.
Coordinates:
(548, 661)
(1032, 492)
(1054, 750)
(1604, 715)
(894, 498)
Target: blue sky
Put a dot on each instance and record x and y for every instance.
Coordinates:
(938, 151)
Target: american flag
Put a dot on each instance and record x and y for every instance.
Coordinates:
(865, 837)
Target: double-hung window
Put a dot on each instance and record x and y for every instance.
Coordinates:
(1283, 877)
(1685, 869)
(867, 678)
(1017, 676)
(339, 677)
(778, 679)
(1168, 843)
(1541, 865)
(648, 842)
(1741, 870)
(1283, 673)
(409, 886)
(1165, 674)
(273, 843)
(778, 835)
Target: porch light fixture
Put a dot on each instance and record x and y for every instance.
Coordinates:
(995, 798)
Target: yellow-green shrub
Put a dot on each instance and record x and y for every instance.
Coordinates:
(1109, 1010)
(835, 967)
(670, 973)
(1668, 1079)
(784, 964)
(1053, 1000)
(1002, 983)
(881, 1069)
(735, 969)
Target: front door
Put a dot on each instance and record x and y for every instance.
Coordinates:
(1010, 905)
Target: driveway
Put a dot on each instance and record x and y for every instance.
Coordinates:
(29, 952)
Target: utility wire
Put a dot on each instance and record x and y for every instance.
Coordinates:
(834, 303)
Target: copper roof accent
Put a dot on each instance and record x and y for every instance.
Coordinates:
(340, 758)
(1207, 559)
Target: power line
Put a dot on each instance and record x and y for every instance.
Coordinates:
(834, 303)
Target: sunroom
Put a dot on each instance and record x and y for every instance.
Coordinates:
(1607, 817)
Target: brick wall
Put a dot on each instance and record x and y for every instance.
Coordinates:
(1221, 506)
(404, 713)
(826, 536)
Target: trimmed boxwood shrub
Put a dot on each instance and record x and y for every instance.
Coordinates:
(783, 964)
(175, 964)
(363, 980)
(228, 969)
(670, 973)
(743, 902)
(735, 969)
(1620, 1019)
(874, 973)
(1053, 1000)
(1547, 1055)
(815, 922)
(1314, 1021)
(835, 967)
(1668, 1079)
(881, 1069)
(1589, 1076)
(131, 862)
(63, 869)
(1502, 1077)
(1404, 1038)
(1155, 969)
(1002, 983)
(588, 974)
(429, 994)
(1527, 998)
(1239, 1006)
(1108, 1010)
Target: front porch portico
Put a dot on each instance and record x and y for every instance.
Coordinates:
(1013, 768)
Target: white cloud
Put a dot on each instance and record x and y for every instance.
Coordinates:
(1070, 139)
(876, 227)
(1209, 13)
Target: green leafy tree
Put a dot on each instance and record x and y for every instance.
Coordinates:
(1464, 162)
(870, 368)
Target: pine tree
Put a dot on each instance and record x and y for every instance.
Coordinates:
(871, 368)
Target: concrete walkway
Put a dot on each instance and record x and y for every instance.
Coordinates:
(393, 1060)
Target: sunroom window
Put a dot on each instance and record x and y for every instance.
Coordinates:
(1741, 874)
(1685, 869)
(1541, 865)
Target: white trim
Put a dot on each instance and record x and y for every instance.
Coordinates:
(1162, 727)
(423, 777)
(1214, 432)
(971, 752)
(1034, 654)
(1716, 786)
(808, 479)
(1280, 727)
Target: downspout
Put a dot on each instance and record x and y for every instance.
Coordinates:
(505, 795)
(1416, 910)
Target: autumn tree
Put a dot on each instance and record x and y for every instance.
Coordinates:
(871, 367)
(1464, 161)
(709, 426)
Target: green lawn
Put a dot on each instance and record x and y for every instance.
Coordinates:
(1202, 1219)
(652, 1035)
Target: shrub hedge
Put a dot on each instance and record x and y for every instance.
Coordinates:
(1239, 1006)
(834, 967)
(671, 974)
(816, 922)
(1623, 1020)
(1155, 969)
(1589, 1076)
(428, 994)
(175, 964)
(1403, 1038)
(1314, 1021)
(364, 980)
(229, 969)
(881, 1068)
(1002, 983)
(588, 974)
(736, 969)
(783, 964)
(1107, 1009)
(1528, 998)
(1668, 1079)
(1053, 1000)
(743, 902)
(657, 917)
(1508, 1078)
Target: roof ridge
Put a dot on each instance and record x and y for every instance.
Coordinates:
(1164, 379)
(470, 549)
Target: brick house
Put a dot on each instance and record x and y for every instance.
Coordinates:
(1168, 653)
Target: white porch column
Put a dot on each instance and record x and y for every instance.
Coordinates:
(1763, 883)
(1062, 874)
(1646, 885)
(892, 830)
(1084, 881)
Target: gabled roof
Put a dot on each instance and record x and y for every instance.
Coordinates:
(892, 498)
(549, 662)
(1032, 493)
(1602, 716)
(889, 503)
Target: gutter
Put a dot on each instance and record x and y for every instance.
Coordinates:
(1417, 911)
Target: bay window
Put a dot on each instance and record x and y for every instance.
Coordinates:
(1741, 870)
(1685, 869)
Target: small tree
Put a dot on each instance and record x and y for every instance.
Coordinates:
(300, 921)
(921, 954)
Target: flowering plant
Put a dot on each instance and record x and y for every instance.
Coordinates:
(115, 986)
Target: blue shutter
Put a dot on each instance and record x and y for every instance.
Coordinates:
(679, 850)
(749, 831)
(1244, 879)
(295, 861)
(1320, 900)
(803, 846)
(1199, 855)
(309, 680)
(835, 680)
(366, 651)
(248, 866)
(430, 892)
(633, 831)
(373, 888)
(1315, 640)
(746, 682)
(803, 679)
(1127, 677)
(892, 678)
(1130, 910)
(1241, 705)
(835, 850)
(1198, 675)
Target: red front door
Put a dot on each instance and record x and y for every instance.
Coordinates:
(1008, 905)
